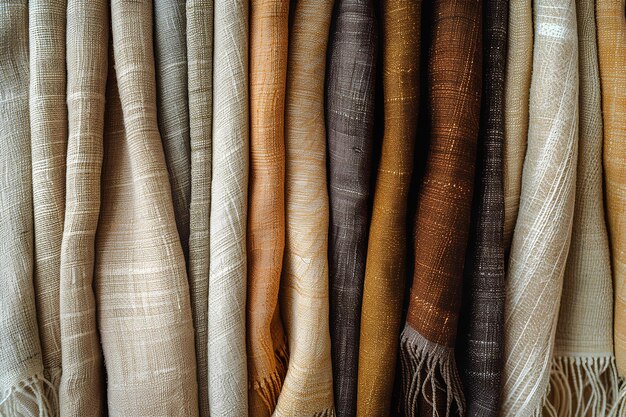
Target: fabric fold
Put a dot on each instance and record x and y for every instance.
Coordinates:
(350, 96)
(308, 385)
(385, 270)
(542, 234)
(266, 342)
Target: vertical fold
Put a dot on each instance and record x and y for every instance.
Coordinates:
(266, 344)
(228, 374)
(308, 386)
(199, 20)
(542, 234)
(385, 270)
(350, 96)
(141, 282)
(82, 380)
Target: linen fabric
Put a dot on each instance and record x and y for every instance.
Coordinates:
(266, 343)
(48, 127)
(170, 56)
(81, 391)
(22, 380)
(611, 21)
(482, 318)
(141, 282)
(516, 95)
(583, 378)
(308, 385)
(350, 121)
(199, 19)
(384, 282)
(228, 374)
(542, 233)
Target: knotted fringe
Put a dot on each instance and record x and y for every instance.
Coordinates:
(424, 365)
(581, 386)
(619, 406)
(28, 397)
(51, 390)
(269, 387)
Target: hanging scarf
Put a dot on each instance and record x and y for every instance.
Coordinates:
(48, 126)
(308, 386)
(516, 94)
(200, 91)
(442, 218)
(383, 288)
(482, 317)
(266, 344)
(140, 268)
(611, 15)
(542, 233)
(22, 381)
(350, 119)
(583, 378)
(82, 380)
(228, 374)
(170, 56)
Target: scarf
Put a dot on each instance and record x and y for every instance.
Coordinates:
(516, 94)
(544, 223)
(48, 126)
(611, 20)
(22, 382)
(170, 56)
(140, 268)
(200, 91)
(383, 288)
(430, 379)
(308, 386)
(82, 380)
(228, 374)
(583, 378)
(266, 344)
(350, 120)
(483, 311)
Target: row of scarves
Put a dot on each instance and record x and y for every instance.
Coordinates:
(204, 207)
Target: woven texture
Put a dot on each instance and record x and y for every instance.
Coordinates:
(308, 386)
(544, 223)
(385, 271)
(140, 270)
(266, 345)
(350, 120)
(200, 90)
(482, 318)
(82, 382)
(516, 94)
(228, 375)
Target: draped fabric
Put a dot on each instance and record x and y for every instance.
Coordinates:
(266, 343)
(516, 95)
(48, 126)
(308, 385)
(350, 120)
(383, 288)
(82, 382)
(199, 19)
(228, 376)
(482, 317)
(583, 377)
(141, 282)
(544, 223)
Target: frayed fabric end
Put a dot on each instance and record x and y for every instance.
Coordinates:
(581, 386)
(619, 405)
(325, 413)
(428, 370)
(28, 397)
(269, 387)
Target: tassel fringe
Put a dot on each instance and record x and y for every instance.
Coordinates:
(28, 397)
(269, 387)
(424, 365)
(619, 406)
(325, 413)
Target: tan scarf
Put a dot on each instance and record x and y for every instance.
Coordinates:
(308, 386)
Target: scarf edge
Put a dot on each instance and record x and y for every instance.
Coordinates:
(35, 391)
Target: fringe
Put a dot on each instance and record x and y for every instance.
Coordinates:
(28, 398)
(326, 413)
(581, 386)
(51, 390)
(269, 387)
(420, 356)
(619, 406)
